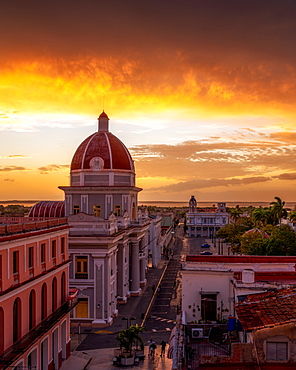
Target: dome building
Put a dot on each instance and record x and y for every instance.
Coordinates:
(101, 163)
(108, 238)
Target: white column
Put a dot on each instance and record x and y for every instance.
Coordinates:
(135, 273)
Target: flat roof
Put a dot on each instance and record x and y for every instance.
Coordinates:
(241, 259)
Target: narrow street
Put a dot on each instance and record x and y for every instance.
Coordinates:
(160, 306)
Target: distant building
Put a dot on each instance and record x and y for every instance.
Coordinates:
(205, 222)
(35, 303)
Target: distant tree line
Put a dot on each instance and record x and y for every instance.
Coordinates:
(14, 209)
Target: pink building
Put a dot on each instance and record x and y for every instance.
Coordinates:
(34, 302)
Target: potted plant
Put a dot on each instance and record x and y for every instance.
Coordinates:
(127, 338)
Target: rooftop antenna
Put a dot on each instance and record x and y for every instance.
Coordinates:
(104, 103)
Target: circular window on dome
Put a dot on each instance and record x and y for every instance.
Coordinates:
(96, 163)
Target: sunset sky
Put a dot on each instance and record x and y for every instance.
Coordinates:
(202, 93)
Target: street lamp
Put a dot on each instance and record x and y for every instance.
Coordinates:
(128, 321)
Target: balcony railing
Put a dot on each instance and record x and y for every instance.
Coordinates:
(43, 266)
(19, 347)
(31, 272)
(81, 275)
(16, 278)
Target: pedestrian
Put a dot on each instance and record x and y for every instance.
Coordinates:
(150, 342)
(163, 345)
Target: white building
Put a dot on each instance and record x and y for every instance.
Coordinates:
(109, 238)
(212, 284)
(205, 223)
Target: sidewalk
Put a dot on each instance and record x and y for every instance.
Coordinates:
(101, 359)
(97, 344)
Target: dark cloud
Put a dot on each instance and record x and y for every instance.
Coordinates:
(210, 183)
(225, 159)
(285, 137)
(52, 167)
(12, 168)
(286, 176)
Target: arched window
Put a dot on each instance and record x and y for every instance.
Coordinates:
(17, 320)
(1, 330)
(63, 288)
(44, 302)
(32, 310)
(54, 302)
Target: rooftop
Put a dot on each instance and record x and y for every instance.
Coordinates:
(267, 309)
(241, 259)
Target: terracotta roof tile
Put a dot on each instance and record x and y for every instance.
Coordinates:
(267, 309)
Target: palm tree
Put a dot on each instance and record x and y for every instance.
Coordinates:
(260, 216)
(129, 337)
(235, 214)
(292, 216)
(278, 210)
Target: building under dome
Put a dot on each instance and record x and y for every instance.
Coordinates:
(109, 238)
(101, 163)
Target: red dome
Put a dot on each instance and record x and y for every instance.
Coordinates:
(105, 146)
(48, 209)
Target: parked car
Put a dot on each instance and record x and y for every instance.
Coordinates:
(207, 253)
(206, 245)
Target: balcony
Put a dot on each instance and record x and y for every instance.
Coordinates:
(22, 345)
(43, 266)
(31, 272)
(81, 275)
(16, 278)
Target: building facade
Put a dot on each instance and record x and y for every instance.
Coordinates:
(34, 298)
(205, 223)
(109, 237)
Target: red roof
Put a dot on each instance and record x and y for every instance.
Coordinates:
(48, 209)
(106, 146)
(267, 309)
(241, 259)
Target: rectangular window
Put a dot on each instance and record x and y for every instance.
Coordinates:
(117, 210)
(96, 210)
(81, 268)
(276, 351)
(15, 261)
(53, 249)
(31, 257)
(43, 253)
(76, 209)
(62, 245)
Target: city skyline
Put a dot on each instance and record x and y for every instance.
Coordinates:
(201, 93)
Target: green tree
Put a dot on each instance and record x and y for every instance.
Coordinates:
(278, 210)
(254, 242)
(282, 242)
(235, 214)
(292, 216)
(130, 336)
